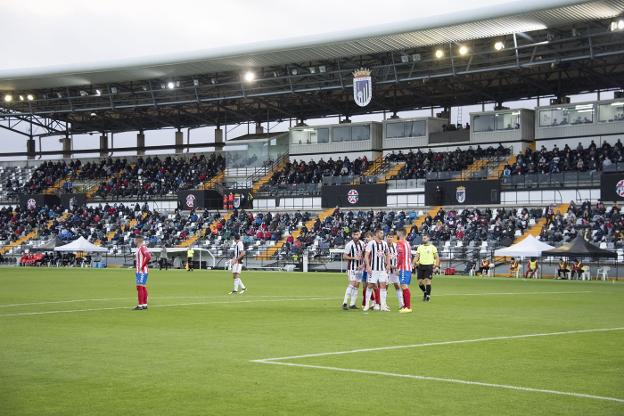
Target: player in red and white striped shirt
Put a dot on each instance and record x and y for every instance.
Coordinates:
(142, 258)
(404, 267)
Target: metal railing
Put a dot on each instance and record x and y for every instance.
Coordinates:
(551, 180)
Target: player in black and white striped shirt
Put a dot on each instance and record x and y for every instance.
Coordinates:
(237, 266)
(377, 260)
(353, 253)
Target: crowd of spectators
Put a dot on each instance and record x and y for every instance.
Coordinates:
(154, 176)
(579, 159)
(419, 164)
(596, 223)
(313, 172)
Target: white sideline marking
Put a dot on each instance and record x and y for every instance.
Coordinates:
(432, 344)
(131, 298)
(161, 306)
(13, 305)
(450, 380)
(280, 361)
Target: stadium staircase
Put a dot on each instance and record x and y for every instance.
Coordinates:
(383, 170)
(374, 167)
(498, 171)
(391, 172)
(214, 181)
(57, 185)
(419, 221)
(264, 176)
(269, 252)
(474, 167)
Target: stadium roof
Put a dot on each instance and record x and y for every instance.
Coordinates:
(508, 18)
(552, 47)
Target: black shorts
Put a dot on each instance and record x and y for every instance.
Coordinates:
(425, 271)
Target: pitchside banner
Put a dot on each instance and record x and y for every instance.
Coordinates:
(462, 192)
(199, 199)
(372, 195)
(37, 201)
(612, 186)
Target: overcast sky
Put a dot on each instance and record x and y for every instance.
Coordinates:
(38, 33)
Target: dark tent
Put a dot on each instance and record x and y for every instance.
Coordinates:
(49, 245)
(579, 248)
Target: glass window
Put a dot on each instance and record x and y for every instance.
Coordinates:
(563, 116)
(359, 133)
(507, 121)
(483, 123)
(395, 130)
(611, 112)
(341, 134)
(309, 136)
(405, 129)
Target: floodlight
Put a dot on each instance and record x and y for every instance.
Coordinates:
(30, 97)
(170, 85)
(439, 53)
(8, 98)
(98, 92)
(499, 46)
(463, 50)
(249, 76)
(21, 97)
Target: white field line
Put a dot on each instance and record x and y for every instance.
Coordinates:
(432, 344)
(131, 298)
(450, 380)
(162, 306)
(13, 305)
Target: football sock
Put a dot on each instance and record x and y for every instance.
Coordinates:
(378, 295)
(144, 296)
(407, 301)
(369, 292)
(235, 285)
(139, 297)
(422, 287)
(240, 283)
(384, 296)
(364, 297)
(354, 293)
(347, 294)
(428, 287)
(399, 295)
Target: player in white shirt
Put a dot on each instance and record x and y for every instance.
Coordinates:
(353, 253)
(377, 259)
(237, 265)
(393, 273)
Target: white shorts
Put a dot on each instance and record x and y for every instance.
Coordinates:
(354, 275)
(236, 268)
(378, 277)
(393, 278)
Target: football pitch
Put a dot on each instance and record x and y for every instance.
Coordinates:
(70, 345)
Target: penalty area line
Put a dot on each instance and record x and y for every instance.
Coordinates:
(447, 380)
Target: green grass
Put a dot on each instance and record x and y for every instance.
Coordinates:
(192, 352)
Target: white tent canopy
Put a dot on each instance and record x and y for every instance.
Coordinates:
(529, 247)
(81, 244)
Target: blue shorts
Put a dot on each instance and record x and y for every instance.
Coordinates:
(141, 279)
(364, 277)
(405, 277)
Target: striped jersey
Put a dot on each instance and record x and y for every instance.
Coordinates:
(238, 249)
(404, 255)
(354, 249)
(378, 252)
(392, 249)
(142, 257)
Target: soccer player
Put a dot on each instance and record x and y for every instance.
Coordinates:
(393, 272)
(353, 254)
(404, 267)
(142, 257)
(368, 236)
(377, 260)
(426, 257)
(237, 265)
